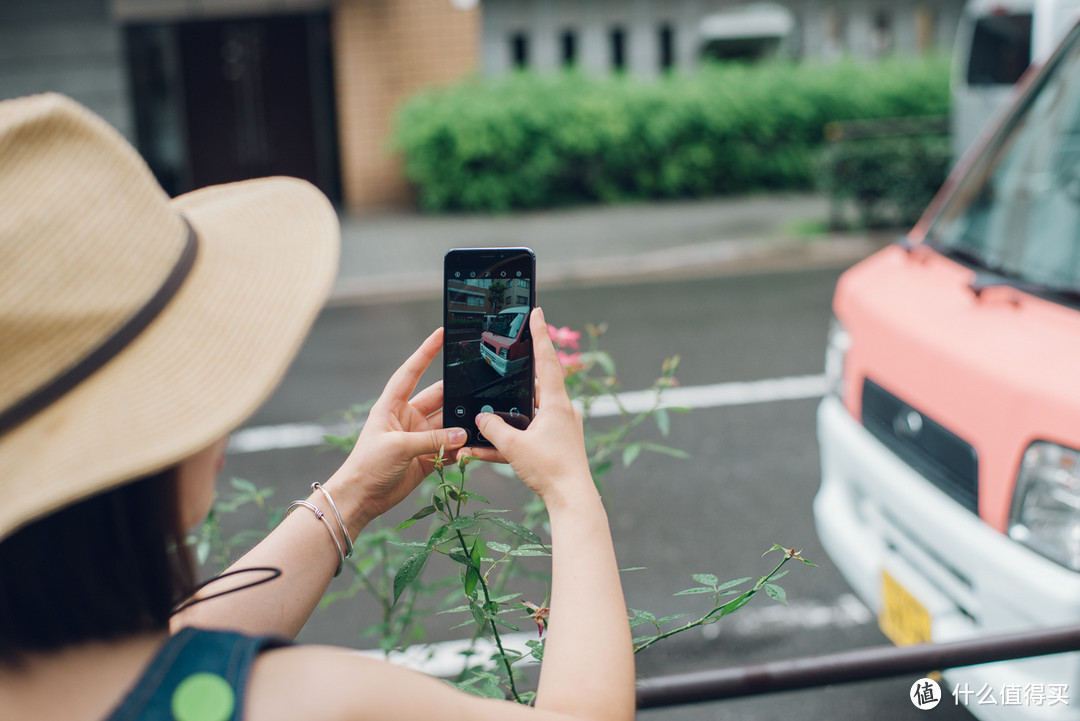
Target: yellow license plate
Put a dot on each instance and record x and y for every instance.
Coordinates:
(902, 618)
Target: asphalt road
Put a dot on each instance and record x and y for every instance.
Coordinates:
(748, 483)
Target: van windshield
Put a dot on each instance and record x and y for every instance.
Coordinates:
(1017, 211)
(507, 324)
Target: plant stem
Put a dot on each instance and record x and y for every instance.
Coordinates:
(710, 617)
(491, 621)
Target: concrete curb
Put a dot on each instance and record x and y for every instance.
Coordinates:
(699, 260)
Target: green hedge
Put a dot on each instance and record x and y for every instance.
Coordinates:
(891, 179)
(539, 140)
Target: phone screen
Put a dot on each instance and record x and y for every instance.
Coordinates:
(487, 350)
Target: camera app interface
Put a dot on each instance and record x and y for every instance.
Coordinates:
(487, 357)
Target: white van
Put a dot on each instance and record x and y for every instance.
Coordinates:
(996, 41)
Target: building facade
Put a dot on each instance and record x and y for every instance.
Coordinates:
(217, 90)
(645, 38)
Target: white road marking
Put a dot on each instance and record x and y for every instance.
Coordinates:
(445, 658)
(257, 439)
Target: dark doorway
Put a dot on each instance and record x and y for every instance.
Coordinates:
(224, 100)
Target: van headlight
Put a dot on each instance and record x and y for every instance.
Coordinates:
(837, 344)
(1046, 503)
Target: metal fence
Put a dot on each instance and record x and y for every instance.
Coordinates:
(850, 666)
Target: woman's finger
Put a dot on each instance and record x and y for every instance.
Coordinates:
(549, 373)
(428, 400)
(480, 453)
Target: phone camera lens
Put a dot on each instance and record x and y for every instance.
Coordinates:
(472, 274)
(502, 273)
(457, 274)
(519, 274)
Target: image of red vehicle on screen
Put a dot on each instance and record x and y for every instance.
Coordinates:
(505, 344)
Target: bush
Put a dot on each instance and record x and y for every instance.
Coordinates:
(539, 140)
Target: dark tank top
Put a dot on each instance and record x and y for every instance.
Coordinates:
(198, 675)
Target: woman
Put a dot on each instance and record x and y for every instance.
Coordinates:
(135, 333)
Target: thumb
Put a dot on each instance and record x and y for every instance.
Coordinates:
(418, 443)
(497, 430)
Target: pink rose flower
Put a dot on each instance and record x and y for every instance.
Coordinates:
(565, 337)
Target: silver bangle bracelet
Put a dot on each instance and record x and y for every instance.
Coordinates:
(333, 536)
(333, 507)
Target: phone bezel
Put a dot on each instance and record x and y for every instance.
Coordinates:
(465, 258)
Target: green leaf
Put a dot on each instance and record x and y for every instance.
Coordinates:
(468, 495)
(422, 513)
(461, 558)
(462, 522)
(505, 597)
(630, 453)
(498, 547)
(732, 584)
(632, 568)
(663, 421)
(506, 624)
(706, 579)
(243, 485)
(409, 572)
(776, 593)
(779, 575)
(665, 450)
(522, 552)
(477, 613)
(489, 511)
(437, 537)
(517, 529)
(602, 468)
(693, 591)
(646, 616)
(472, 575)
(735, 605)
(668, 619)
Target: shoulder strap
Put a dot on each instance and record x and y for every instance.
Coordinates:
(199, 675)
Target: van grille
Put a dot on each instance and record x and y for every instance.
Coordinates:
(945, 459)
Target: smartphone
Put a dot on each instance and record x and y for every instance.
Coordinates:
(488, 294)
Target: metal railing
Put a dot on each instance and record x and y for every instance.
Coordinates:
(850, 666)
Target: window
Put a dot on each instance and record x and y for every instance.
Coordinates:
(519, 51)
(618, 48)
(1000, 49)
(882, 36)
(568, 46)
(666, 38)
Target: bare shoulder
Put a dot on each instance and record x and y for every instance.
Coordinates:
(324, 683)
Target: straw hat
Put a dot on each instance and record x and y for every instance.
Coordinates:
(135, 330)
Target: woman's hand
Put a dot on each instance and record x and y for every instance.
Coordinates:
(398, 443)
(549, 456)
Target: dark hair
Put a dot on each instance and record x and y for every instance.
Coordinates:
(109, 566)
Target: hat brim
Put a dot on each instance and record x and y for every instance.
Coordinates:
(267, 257)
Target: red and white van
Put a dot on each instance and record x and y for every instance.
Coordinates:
(505, 344)
(950, 440)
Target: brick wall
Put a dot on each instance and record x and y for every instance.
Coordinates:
(383, 52)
